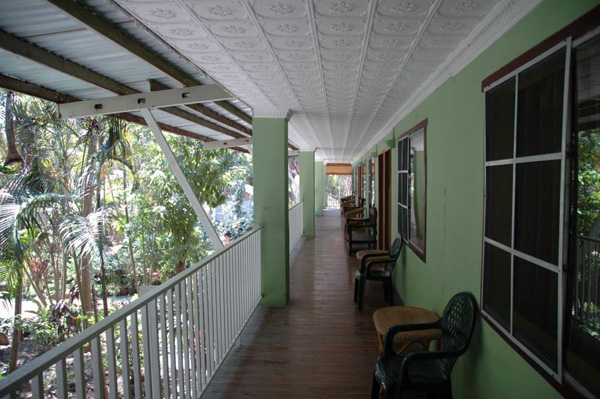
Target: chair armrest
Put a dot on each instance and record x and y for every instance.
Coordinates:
(388, 338)
(375, 262)
(352, 225)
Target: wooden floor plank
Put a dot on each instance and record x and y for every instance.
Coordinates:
(319, 346)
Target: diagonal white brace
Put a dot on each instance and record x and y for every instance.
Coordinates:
(185, 185)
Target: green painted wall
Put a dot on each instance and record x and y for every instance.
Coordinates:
(307, 192)
(491, 369)
(270, 160)
(319, 188)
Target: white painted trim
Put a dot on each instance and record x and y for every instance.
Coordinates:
(504, 16)
(490, 319)
(133, 102)
(213, 145)
(272, 113)
(180, 176)
(538, 262)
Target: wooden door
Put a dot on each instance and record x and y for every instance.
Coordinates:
(384, 161)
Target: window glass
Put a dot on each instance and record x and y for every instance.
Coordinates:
(523, 225)
(539, 119)
(498, 209)
(535, 309)
(537, 204)
(496, 284)
(582, 354)
(500, 121)
(412, 188)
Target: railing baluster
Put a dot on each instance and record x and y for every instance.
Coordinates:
(135, 352)
(79, 369)
(164, 345)
(205, 326)
(146, 353)
(172, 340)
(154, 347)
(211, 322)
(124, 358)
(113, 390)
(185, 338)
(220, 312)
(197, 332)
(97, 368)
(229, 295)
(37, 387)
(61, 379)
(191, 336)
(179, 351)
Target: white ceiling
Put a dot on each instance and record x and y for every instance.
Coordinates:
(345, 70)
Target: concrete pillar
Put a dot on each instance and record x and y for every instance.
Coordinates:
(307, 192)
(270, 163)
(320, 201)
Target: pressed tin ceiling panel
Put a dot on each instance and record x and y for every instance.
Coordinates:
(342, 68)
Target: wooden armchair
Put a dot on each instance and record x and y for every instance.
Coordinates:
(361, 231)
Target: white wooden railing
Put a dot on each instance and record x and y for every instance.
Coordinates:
(296, 225)
(167, 344)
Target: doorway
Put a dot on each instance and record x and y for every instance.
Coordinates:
(384, 203)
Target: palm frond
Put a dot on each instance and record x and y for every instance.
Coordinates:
(85, 234)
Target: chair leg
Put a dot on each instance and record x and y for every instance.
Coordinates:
(390, 290)
(385, 291)
(355, 289)
(375, 388)
(446, 391)
(361, 293)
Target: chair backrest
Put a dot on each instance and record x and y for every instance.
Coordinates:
(396, 249)
(372, 215)
(457, 323)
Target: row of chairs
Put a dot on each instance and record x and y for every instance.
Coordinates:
(421, 370)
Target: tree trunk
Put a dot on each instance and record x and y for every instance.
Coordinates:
(12, 155)
(38, 290)
(16, 336)
(85, 288)
(129, 238)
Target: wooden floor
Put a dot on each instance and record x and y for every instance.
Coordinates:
(319, 346)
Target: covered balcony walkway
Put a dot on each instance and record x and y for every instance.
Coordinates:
(319, 346)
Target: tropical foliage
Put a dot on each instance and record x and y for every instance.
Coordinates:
(89, 208)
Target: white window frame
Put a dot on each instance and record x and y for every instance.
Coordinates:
(514, 160)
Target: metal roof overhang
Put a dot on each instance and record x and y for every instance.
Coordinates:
(60, 51)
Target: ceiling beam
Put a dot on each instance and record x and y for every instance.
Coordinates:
(213, 145)
(41, 56)
(135, 102)
(204, 110)
(122, 39)
(44, 93)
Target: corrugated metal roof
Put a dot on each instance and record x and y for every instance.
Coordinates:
(49, 28)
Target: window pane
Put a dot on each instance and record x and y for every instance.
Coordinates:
(403, 188)
(496, 284)
(539, 118)
(537, 209)
(582, 355)
(535, 315)
(498, 203)
(500, 121)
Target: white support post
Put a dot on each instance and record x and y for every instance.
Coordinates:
(185, 185)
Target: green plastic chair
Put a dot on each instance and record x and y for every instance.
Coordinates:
(368, 271)
(427, 371)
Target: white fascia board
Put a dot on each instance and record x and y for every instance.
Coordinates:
(135, 102)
